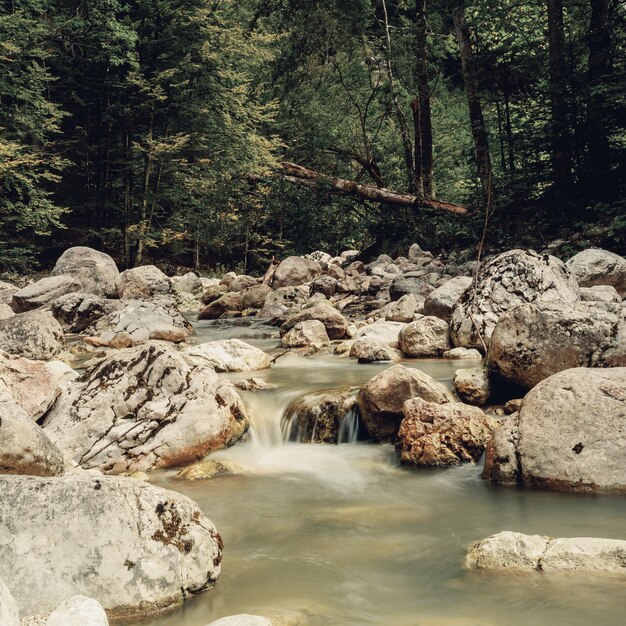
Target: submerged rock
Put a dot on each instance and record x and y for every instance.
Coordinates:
(533, 553)
(435, 435)
(205, 470)
(144, 408)
(381, 399)
(78, 611)
(568, 434)
(504, 282)
(34, 335)
(96, 271)
(241, 620)
(136, 549)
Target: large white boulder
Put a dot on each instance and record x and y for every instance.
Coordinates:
(229, 355)
(504, 282)
(144, 408)
(599, 267)
(135, 548)
(96, 271)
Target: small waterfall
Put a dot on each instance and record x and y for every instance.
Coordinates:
(349, 427)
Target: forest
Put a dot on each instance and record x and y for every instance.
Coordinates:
(217, 134)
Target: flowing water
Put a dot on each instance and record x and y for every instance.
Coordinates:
(341, 535)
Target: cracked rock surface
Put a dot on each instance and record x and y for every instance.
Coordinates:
(506, 281)
(144, 408)
(135, 548)
(516, 551)
(569, 434)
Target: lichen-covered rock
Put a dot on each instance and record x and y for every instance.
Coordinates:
(381, 399)
(33, 385)
(78, 611)
(472, 385)
(295, 270)
(534, 341)
(78, 311)
(144, 408)
(24, 447)
(229, 355)
(533, 553)
(9, 613)
(43, 291)
(34, 335)
(504, 282)
(307, 334)
(144, 282)
(136, 549)
(568, 434)
(435, 435)
(318, 417)
(96, 271)
(599, 267)
(425, 337)
(334, 322)
(368, 350)
(442, 301)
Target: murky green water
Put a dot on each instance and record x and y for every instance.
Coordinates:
(321, 535)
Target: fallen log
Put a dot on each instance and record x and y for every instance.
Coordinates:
(304, 176)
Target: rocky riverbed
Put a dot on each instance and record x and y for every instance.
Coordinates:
(112, 381)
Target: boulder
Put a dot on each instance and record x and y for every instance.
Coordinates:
(42, 292)
(9, 613)
(326, 285)
(78, 311)
(33, 385)
(442, 301)
(416, 254)
(435, 435)
(229, 355)
(208, 469)
(534, 341)
(533, 553)
(187, 283)
(226, 303)
(136, 549)
(599, 267)
(144, 408)
(472, 385)
(241, 283)
(323, 258)
(334, 322)
(321, 417)
(387, 332)
(462, 354)
(307, 334)
(78, 611)
(213, 292)
(600, 293)
(6, 311)
(425, 337)
(34, 335)
(404, 285)
(295, 270)
(368, 350)
(254, 297)
(504, 282)
(96, 271)
(568, 434)
(144, 282)
(141, 320)
(381, 399)
(405, 309)
(24, 447)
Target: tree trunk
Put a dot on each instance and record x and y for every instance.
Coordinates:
(561, 148)
(599, 42)
(477, 121)
(403, 126)
(143, 211)
(304, 176)
(423, 130)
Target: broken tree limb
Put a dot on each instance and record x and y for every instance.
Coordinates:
(304, 176)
